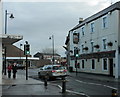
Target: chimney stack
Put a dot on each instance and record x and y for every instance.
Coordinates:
(80, 20)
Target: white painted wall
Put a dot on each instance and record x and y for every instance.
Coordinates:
(111, 34)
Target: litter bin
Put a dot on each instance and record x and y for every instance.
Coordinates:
(71, 69)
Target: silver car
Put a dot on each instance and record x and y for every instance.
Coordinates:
(52, 71)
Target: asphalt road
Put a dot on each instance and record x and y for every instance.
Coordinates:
(87, 87)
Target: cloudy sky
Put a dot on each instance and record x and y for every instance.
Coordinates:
(39, 20)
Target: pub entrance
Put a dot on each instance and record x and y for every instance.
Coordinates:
(111, 66)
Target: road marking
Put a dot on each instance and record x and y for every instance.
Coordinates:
(78, 93)
(96, 84)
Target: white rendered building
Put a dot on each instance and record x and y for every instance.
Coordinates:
(98, 43)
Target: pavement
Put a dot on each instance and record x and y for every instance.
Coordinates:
(96, 77)
(30, 88)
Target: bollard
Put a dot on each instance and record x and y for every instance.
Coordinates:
(63, 85)
(114, 93)
(45, 82)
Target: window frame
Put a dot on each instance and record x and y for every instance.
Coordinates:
(92, 27)
(103, 67)
(104, 22)
(104, 43)
(92, 46)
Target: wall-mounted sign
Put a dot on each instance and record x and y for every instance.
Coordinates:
(75, 38)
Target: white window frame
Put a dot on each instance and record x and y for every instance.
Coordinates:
(103, 64)
(92, 46)
(92, 64)
(83, 31)
(104, 44)
(92, 27)
(105, 22)
(82, 46)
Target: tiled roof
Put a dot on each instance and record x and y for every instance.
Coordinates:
(13, 51)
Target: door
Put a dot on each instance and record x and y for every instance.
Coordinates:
(111, 66)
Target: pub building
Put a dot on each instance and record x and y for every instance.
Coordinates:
(97, 38)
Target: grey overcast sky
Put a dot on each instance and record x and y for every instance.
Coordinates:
(37, 20)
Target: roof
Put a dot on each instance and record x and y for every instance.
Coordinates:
(41, 54)
(13, 51)
(10, 39)
(111, 8)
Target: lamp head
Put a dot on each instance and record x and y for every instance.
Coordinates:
(11, 16)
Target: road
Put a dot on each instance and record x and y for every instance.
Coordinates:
(81, 86)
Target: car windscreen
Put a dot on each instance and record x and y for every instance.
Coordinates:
(58, 67)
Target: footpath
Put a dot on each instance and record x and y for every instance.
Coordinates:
(30, 88)
(95, 77)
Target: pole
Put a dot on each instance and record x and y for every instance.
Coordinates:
(26, 67)
(53, 47)
(5, 46)
(4, 63)
(63, 85)
(5, 21)
(76, 64)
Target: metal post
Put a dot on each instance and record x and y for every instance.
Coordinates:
(76, 64)
(63, 85)
(5, 21)
(5, 62)
(26, 68)
(45, 82)
(53, 47)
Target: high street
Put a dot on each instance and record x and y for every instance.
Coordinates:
(84, 85)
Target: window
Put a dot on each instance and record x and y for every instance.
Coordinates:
(83, 64)
(104, 44)
(104, 22)
(105, 67)
(92, 46)
(83, 31)
(93, 64)
(92, 27)
(82, 47)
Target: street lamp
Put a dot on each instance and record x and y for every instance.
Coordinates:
(52, 37)
(5, 48)
(11, 16)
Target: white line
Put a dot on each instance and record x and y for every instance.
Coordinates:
(96, 84)
(74, 92)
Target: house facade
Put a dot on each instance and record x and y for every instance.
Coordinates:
(98, 43)
(49, 56)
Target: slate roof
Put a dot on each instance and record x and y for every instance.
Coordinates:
(111, 8)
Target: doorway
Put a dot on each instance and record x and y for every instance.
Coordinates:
(111, 66)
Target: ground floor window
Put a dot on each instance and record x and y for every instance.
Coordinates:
(105, 65)
(83, 64)
(93, 64)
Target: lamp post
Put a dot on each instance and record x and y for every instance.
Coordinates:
(20, 52)
(11, 16)
(5, 48)
(52, 37)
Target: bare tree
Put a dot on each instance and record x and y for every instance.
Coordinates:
(49, 50)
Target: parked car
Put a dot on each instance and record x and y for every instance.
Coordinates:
(20, 66)
(52, 71)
